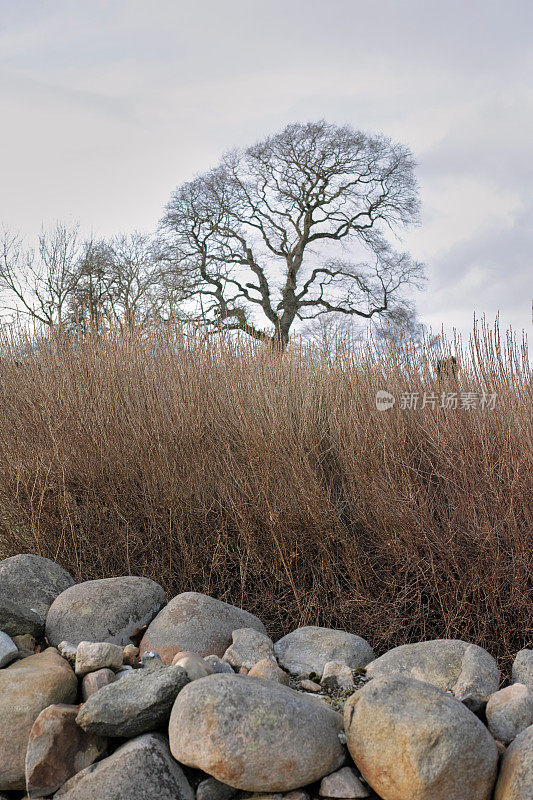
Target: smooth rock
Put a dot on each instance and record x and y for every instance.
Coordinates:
(57, 750)
(8, 650)
(211, 789)
(466, 670)
(337, 677)
(306, 651)
(270, 671)
(25, 643)
(139, 703)
(130, 655)
(95, 681)
(310, 686)
(523, 668)
(68, 651)
(412, 741)
(91, 656)
(106, 610)
(219, 665)
(343, 784)
(26, 688)
(28, 586)
(141, 769)
(151, 660)
(299, 794)
(509, 712)
(194, 665)
(253, 734)
(248, 647)
(123, 671)
(197, 623)
(515, 781)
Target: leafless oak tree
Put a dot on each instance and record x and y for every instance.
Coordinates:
(264, 239)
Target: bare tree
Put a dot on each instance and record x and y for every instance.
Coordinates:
(263, 239)
(38, 283)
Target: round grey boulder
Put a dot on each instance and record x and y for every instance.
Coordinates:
(139, 702)
(515, 781)
(196, 623)
(105, 610)
(141, 768)
(412, 741)
(523, 668)
(254, 734)
(8, 649)
(307, 650)
(464, 669)
(28, 586)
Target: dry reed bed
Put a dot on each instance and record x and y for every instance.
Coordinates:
(273, 482)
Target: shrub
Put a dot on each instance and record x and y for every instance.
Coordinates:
(273, 482)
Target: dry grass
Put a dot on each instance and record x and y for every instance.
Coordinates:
(273, 482)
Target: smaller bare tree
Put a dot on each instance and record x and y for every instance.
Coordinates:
(38, 284)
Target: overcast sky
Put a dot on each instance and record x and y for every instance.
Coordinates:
(106, 105)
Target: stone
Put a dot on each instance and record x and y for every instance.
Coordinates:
(515, 781)
(141, 768)
(194, 665)
(28, 586)
(509, 712)
(25, 643)
(310, 686)
(466, 670)
(91, 656)
(130, 655)
(94, 681)
(299, 794)
(248, 647)
(211, 789)
(523, 668)
(68, 651)
(139, 703)
(151, 660)
(8, 650)
(26, 688)
(412, 741)
(219, 665)
(105, 610)
(253, 734)
(337, 677)
(58, 749)
(270, 671)
(343, 784)
(196, 622)
(306, 651)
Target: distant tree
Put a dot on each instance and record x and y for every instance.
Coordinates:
(38, 283)
(261, 240)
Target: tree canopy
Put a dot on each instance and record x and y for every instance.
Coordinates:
(293, 228)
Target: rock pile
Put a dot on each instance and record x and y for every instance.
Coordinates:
(107, 691)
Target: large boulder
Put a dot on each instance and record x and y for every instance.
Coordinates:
(254, 734)
(198, 623)
(464, 669)
(28, 586)
(138, 703)
(58, 749)
(307, 650)
(515, 781)
(141, 768)
(26, 688)
(105, 610)
(523, 668)
(412, 741)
